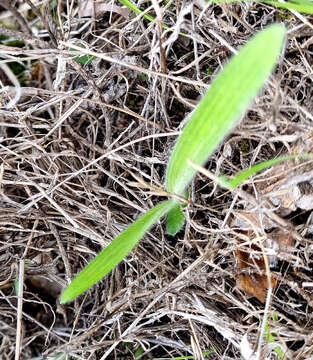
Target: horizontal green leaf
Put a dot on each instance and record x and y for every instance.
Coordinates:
(245, 174)
(304, 6)
(225, 101)
(85, 59)
(175, 220)
(115, 252)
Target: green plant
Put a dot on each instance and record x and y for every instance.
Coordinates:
(225, 101)
(139, 351)
(270, 337)
(209, 71)
(304, 6)
(84, 59)
(134, 8)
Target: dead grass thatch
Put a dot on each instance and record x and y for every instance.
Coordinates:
(72, 135)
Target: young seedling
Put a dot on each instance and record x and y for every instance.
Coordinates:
(224, 103)
(271, 337)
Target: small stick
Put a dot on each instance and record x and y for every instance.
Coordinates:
(19, 310)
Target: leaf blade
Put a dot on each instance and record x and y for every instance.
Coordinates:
(109, 257)
(245, 174)
(303, 6)
(134, 8)
(229, 95)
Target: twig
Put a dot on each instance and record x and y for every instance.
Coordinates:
(19, 310)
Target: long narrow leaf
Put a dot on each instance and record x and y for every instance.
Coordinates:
(115, 252)
(134, 8)
(245, 174)
(304, 6)
(226, 100)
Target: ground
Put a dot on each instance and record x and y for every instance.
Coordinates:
(242, 257)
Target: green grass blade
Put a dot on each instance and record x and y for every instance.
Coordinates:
(245, 174)
(115, 252)
(175, 220)
(304, 6)
(134, 8)
(226, 100)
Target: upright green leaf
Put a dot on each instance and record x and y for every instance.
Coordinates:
(115, 252)
(225, 101)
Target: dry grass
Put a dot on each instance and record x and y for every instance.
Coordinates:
(67, 150)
